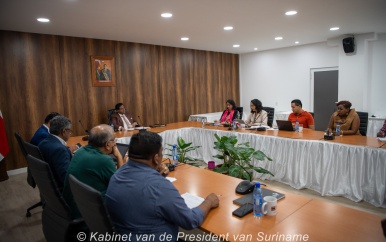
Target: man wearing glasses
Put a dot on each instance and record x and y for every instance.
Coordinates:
(54, 149)
(92, 164)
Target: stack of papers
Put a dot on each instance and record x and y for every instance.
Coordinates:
(192, 201)
(382, 139)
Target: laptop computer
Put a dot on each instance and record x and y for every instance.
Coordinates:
(240, 121)
(284, 125)
(123, 148)
(248, 198)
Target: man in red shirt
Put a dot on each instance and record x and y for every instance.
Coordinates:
(299, 114)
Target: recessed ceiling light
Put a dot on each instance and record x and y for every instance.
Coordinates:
(236, 46)
(278, 38)
(296, 42)
(292, 12)
(228, 28)
(184, 38)
(334, 28)
(255, 49)
(166, 15)
(43, 20)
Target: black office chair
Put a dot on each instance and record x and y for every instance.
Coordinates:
(58, 225)
(271, 114)
(92, 207)
(364, 119)
(240, 110)
(109, 113)
(30, 179)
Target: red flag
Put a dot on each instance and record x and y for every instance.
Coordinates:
(4, 149)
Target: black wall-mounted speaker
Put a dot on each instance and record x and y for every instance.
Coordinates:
(348, 44)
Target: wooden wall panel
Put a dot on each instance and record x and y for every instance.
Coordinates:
(30, 86)
(81, 100)
(43, 73)
(138, 82)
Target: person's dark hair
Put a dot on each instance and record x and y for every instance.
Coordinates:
(59, 123)
(231, 102)
(100, 135)
(345, 104)
(297, 102)
(118, 105)
(50, 116)
(257, 104)
(144, 145)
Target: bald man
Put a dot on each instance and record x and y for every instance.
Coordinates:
(92, 164)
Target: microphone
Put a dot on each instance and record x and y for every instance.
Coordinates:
(85, 130)
(143, 128)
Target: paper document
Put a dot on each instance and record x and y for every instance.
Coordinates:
(382, 139)
(171, 179)
(192, 201)
(260, 126)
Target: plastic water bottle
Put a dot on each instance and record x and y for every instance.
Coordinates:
(175, 155)
(112, 126)
(337, 130)
(257, 200)
(203, 123)
(234, 125)
(297, 125)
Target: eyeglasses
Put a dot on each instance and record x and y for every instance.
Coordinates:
(113, 140)
(69, 130)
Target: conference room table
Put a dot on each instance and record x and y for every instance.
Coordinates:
(298, 218)
(350, 166)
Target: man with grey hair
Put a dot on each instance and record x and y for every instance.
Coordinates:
(92, 164)
(54, 149)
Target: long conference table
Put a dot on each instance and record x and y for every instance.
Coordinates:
(349, 166)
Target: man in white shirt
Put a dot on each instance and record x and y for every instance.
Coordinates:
(121, 120)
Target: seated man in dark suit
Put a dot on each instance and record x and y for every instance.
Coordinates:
(121, 120)
(44, 130)
(54, 149)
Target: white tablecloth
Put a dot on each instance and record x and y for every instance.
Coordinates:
(355, 172)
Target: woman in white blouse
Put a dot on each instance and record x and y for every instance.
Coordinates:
(258, 116)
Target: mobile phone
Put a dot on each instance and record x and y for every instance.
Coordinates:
(243, 210)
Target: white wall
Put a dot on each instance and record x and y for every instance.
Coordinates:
(278, 76)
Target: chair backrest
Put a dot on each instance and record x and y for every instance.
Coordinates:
(271, 115)
(311, 114)
(20, 141)
(109, 113)
(92, 207)
(33, 150)
(240, 109)
(48, 188)
(364, 119)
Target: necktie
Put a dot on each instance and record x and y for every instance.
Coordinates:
(126, 121)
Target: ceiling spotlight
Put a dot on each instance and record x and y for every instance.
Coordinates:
(279, 38)
(236, 46)
(291, 13)
(296, 42)
(255, 49)
(228, 28)
(43, 20)
(166, 15)
(334, 28)
(184, 38)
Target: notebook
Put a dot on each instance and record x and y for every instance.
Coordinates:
(284, 125)
(248, 198)
(123, 148)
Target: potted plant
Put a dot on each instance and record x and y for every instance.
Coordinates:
(238, 157)
(182, 149)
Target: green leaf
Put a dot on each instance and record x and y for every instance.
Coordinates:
(262, 170)
(221, 169)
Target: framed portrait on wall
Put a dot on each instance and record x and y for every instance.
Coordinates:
(102, 71)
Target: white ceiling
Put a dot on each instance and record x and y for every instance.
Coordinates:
(256, 22)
